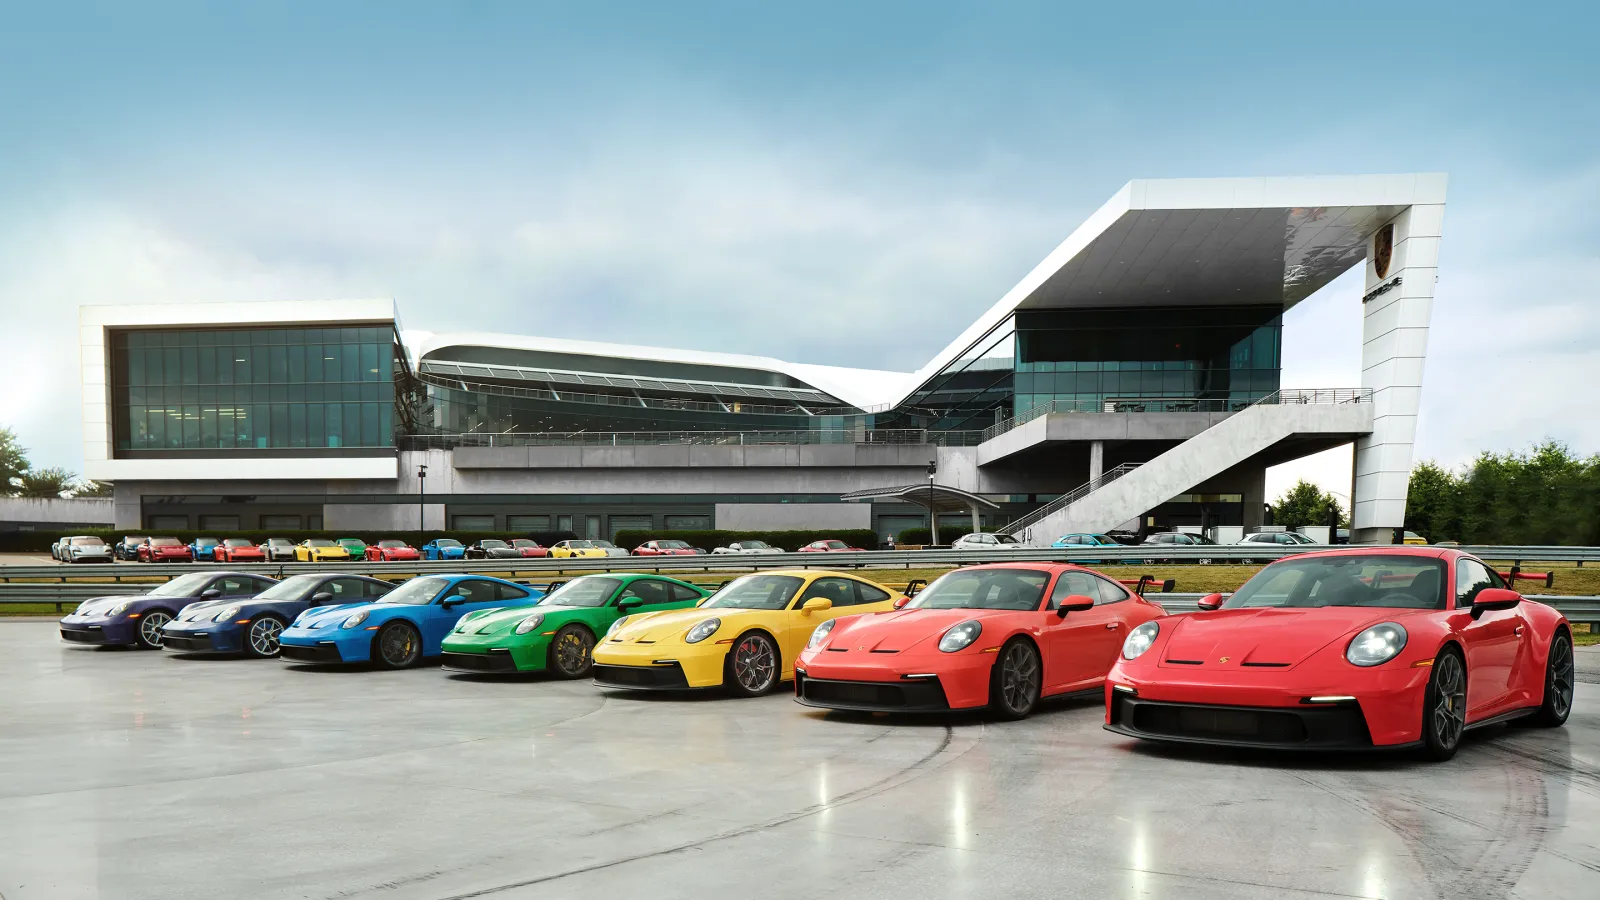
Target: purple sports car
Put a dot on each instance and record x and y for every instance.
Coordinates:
(136, 619)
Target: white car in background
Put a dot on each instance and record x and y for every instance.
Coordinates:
(1277, 538)
(748, 547)
(981, 541)
(86, 550)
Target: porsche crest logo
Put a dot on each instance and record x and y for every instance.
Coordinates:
(1224, 659)
(1383, 250)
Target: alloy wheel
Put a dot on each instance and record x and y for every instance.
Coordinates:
(150, 628)
(573, 650)
(1562, 676)
(755, 663)
(1019, 677)
(397, 645)
(1449, 713)
(264, 636)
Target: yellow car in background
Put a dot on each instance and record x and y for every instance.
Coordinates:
(569, 549)
(745, 637)
(1411, 537)
(319, 550)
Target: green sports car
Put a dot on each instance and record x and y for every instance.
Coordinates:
(559, 633)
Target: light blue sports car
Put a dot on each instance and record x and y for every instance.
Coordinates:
(443, 548)
(402, 627)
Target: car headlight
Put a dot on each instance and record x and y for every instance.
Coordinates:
(615, 625)
(820, 634)
(118, 610)
(354, 620)
(702, 631)
(961, 636)
(461, 622)
(226, 614)
(1139, 640)
(530, 623)
(1376, 645)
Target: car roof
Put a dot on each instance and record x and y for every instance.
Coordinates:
(1041, 564)
(1384, 550)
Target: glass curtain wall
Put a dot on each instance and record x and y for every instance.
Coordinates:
(971, 393)
(247, 389)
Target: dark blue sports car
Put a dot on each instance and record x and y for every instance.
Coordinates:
(137, 620)
(253, 625)
(400, 628)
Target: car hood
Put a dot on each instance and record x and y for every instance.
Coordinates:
(1267, 635)
(495, 621)
(903, 629)
(671, 623)
(98, 605)
(323, 615)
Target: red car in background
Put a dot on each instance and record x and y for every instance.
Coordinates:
(237, 550)
(165, 549)
(1366, 648)
(1001, 636)
(530, 548)
(664, 548)
(829, 546)
(391, 551)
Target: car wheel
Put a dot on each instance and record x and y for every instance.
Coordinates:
(1444, 706)
(148, 636)
(1559, 675)
(261, 638)
(397, 646)
(752, 668)
(1015, 680)
(572, 652)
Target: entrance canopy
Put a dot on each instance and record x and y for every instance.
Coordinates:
(936, 499)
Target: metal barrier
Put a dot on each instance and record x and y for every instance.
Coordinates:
(1180, 404)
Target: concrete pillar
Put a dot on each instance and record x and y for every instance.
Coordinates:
(1097, 459)
(1402, 265)
(975, 528)
(1253, 497)
(933, 526)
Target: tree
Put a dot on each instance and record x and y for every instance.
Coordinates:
(13, 463)
(1547, 495)
(46, 483)
(87, 488)
(1307, 504)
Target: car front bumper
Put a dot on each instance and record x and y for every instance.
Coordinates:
(893, 682)
(643, 667)
(495, 652)
(105, 632)
(203, 637)
(325, 645)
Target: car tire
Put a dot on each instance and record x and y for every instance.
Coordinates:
(753, 666)
(148, 635)
(1444, 706)
(1560, 673)
(397, 645)
(1016, 680)
(261, 636)
(571, 653)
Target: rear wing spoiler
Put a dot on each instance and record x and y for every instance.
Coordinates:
(1516, 574)
(1143, 581)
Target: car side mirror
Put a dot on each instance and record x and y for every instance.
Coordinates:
(1210, 602)
(1494, 598)
(321, 597)
(1073, 603)
(453, 601)
(815, 604)
(901, 603)
(210, 594)
(629, 603)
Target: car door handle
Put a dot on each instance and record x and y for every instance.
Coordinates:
(1113, 625)
(1518, 631)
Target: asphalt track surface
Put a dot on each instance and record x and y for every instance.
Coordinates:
(148, 775)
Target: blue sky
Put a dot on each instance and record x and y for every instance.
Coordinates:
(840, 183)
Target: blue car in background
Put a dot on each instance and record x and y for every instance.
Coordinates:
(252, 625)
(443, 548)
(1075, 541)
(399, 629)
(138, 620)
(204, 549)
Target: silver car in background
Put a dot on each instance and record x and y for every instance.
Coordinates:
(87, 549)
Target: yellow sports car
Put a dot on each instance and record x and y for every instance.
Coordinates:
(746, 636)
(568, 549)
(319, 550)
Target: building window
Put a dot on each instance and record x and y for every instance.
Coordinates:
(169, 523)
(280, 523)
(219, 523)
(686, 523)
(252, 389)
(472, 523)
(527, 523)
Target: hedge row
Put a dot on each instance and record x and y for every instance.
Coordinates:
(40, 541)
(787, 540)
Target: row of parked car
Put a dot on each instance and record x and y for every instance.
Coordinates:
(89, 548)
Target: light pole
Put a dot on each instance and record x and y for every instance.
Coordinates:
(933, 517)
(422, 496)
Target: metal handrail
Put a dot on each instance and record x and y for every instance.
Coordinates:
(1017, 526)
(734, 406)
(1180, 404)
(700, 438)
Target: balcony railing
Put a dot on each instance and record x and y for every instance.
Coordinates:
(693, 438)
(1179, 404)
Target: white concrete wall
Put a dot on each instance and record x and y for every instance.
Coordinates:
(68, 511)
(1394, 344)
(792, 516)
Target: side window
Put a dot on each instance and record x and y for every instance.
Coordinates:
(682, 592)
(234, 585)
(1110, 592)
(375, 589)
(344, 590)
(1069, 583)
(509, 592)
(839, 590)
(646, 591)
(1471, 578)
(866, 593)
(474, 590)
(261, 584)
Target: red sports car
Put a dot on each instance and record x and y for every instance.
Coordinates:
(1365, 648)
(165, 549)
(391, 551)
(828, 547)
(529, 548)
(1001, 636)
(237, 550)
(664, 548)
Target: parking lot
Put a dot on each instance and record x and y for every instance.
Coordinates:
(139, 774)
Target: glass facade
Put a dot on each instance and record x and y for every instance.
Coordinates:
(253, 389)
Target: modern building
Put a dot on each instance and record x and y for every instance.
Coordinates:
(1132, 378)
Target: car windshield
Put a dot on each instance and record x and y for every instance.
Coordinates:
(1006, 539)
(320, 542)
(392, 545)
(133, 540)
(579, 545)
(756, 592)
(492, 545)
(1103, 539)
(279, 542)
(524, 542)
(755, 545)
(590, 590)
(165, 542)
(417, 591)
(205, 542)
(236, 543)
(448, 542)
(672, 545)
(836, 545)
(183, 586)
(87, 542)
(291, 588)
(1383, 581)
(353, 541)
(605, 545)
(984, 589)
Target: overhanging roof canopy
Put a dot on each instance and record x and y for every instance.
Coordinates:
(941, 498)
